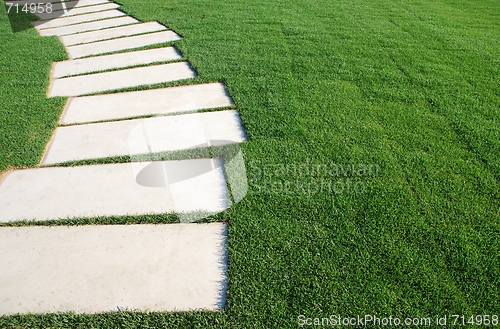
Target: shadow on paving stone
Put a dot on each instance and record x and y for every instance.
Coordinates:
(22, 13)
(166, 174)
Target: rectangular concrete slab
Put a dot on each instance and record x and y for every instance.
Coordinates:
(124, 43)
(116, 32)
(102, 63)
(99, 82)
(145, 102)
(112, 190)
(76, 11)
(132, 137)
(64, 21)
(91, 26)
(94, 269)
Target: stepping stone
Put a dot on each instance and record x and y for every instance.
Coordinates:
(91, 26)
(102, 63)
(64, 21)
(113, 190)
(116, 32)
(145, 102)
(110, 46)
(77, 11)
(142, 136)
(99, 82)
(94, 269)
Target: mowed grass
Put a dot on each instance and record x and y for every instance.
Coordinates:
(408, 88)
(27, 117)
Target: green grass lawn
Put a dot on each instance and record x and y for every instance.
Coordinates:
(27, 118)
(408, 88)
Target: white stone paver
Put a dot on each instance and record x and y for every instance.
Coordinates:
(108, 46)
(63, 21)
(91, 26)
(102, 63)
(77, 11)
(142, 136)
(89, 269)
(99, 82)
(116, 32)
(112, 190)
(145, 102)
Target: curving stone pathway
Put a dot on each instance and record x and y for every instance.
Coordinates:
(89, 269)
